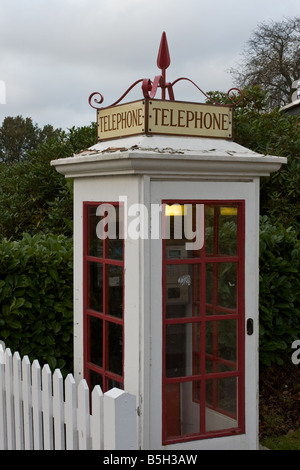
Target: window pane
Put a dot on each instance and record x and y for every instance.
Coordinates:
(221, 230)
(184, 230)
(221, 287)
(228, 230)
(95, 379)
(115, 242)
(182, 349)
(209, 229)
(96, 341)
(115, 291)
(227, 285)
(182, 290)
(182, 411)
(110, 383)
(211, 277)
(221, 345)
(221, 398)
(95, 244)
(115, 348)
(95, 286)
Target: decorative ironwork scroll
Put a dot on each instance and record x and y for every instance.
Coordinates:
(149, 87)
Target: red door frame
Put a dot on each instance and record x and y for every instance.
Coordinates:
(240, 317)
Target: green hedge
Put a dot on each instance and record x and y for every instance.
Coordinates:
(36, 295)
(279, 291)
(36, 298)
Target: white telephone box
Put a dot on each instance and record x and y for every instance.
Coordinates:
(166, 259)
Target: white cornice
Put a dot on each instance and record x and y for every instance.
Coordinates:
(162, 156)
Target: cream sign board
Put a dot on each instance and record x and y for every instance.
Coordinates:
(121, 121)
(165, 117)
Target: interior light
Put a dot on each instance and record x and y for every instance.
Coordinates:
(228, 210)
(175, 210)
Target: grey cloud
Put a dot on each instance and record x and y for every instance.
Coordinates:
(54, 53)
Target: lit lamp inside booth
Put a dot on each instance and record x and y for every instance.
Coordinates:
(228, 211)
(175, 210)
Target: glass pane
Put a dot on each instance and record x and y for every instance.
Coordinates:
(96, 341)
(176, 249)
(221, 401)
(95, 244)
(228, 230)
(221, 345)
(221, 288)
(221, 230)
(182, 349)
(111, 383)
(115, 291)
(182, 410)
(182, 290)
(114, 242)
(227, 285)
(211, 279)
(209, 229)
(95, 379)
(95, 286)
(115, 348)
(184, 230)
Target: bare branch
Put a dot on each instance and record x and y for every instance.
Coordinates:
(271, 59)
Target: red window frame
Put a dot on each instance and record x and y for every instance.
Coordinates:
(109, 378)
(200, 376)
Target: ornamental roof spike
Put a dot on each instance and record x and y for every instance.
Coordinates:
(149, 88)
(163, 58)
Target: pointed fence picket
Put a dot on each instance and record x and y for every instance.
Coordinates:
(43, 411)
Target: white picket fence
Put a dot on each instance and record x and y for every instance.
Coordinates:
(42, 411)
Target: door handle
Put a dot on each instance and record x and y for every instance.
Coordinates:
(250, 326)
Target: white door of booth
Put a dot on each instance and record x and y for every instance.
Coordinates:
(203, 374)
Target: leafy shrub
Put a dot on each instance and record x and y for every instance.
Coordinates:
(279, 291)
(36, 298)
(273, 133)
(34, 197)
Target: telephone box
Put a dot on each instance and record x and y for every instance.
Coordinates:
(166, 267)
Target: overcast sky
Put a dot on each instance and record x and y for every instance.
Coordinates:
(55, 53)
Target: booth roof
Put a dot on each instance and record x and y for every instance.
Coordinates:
(161, 153)
(161, 144)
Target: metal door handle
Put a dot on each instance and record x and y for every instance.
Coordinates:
(250, 326)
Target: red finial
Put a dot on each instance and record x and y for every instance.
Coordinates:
(163, 58)
(163, 61)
